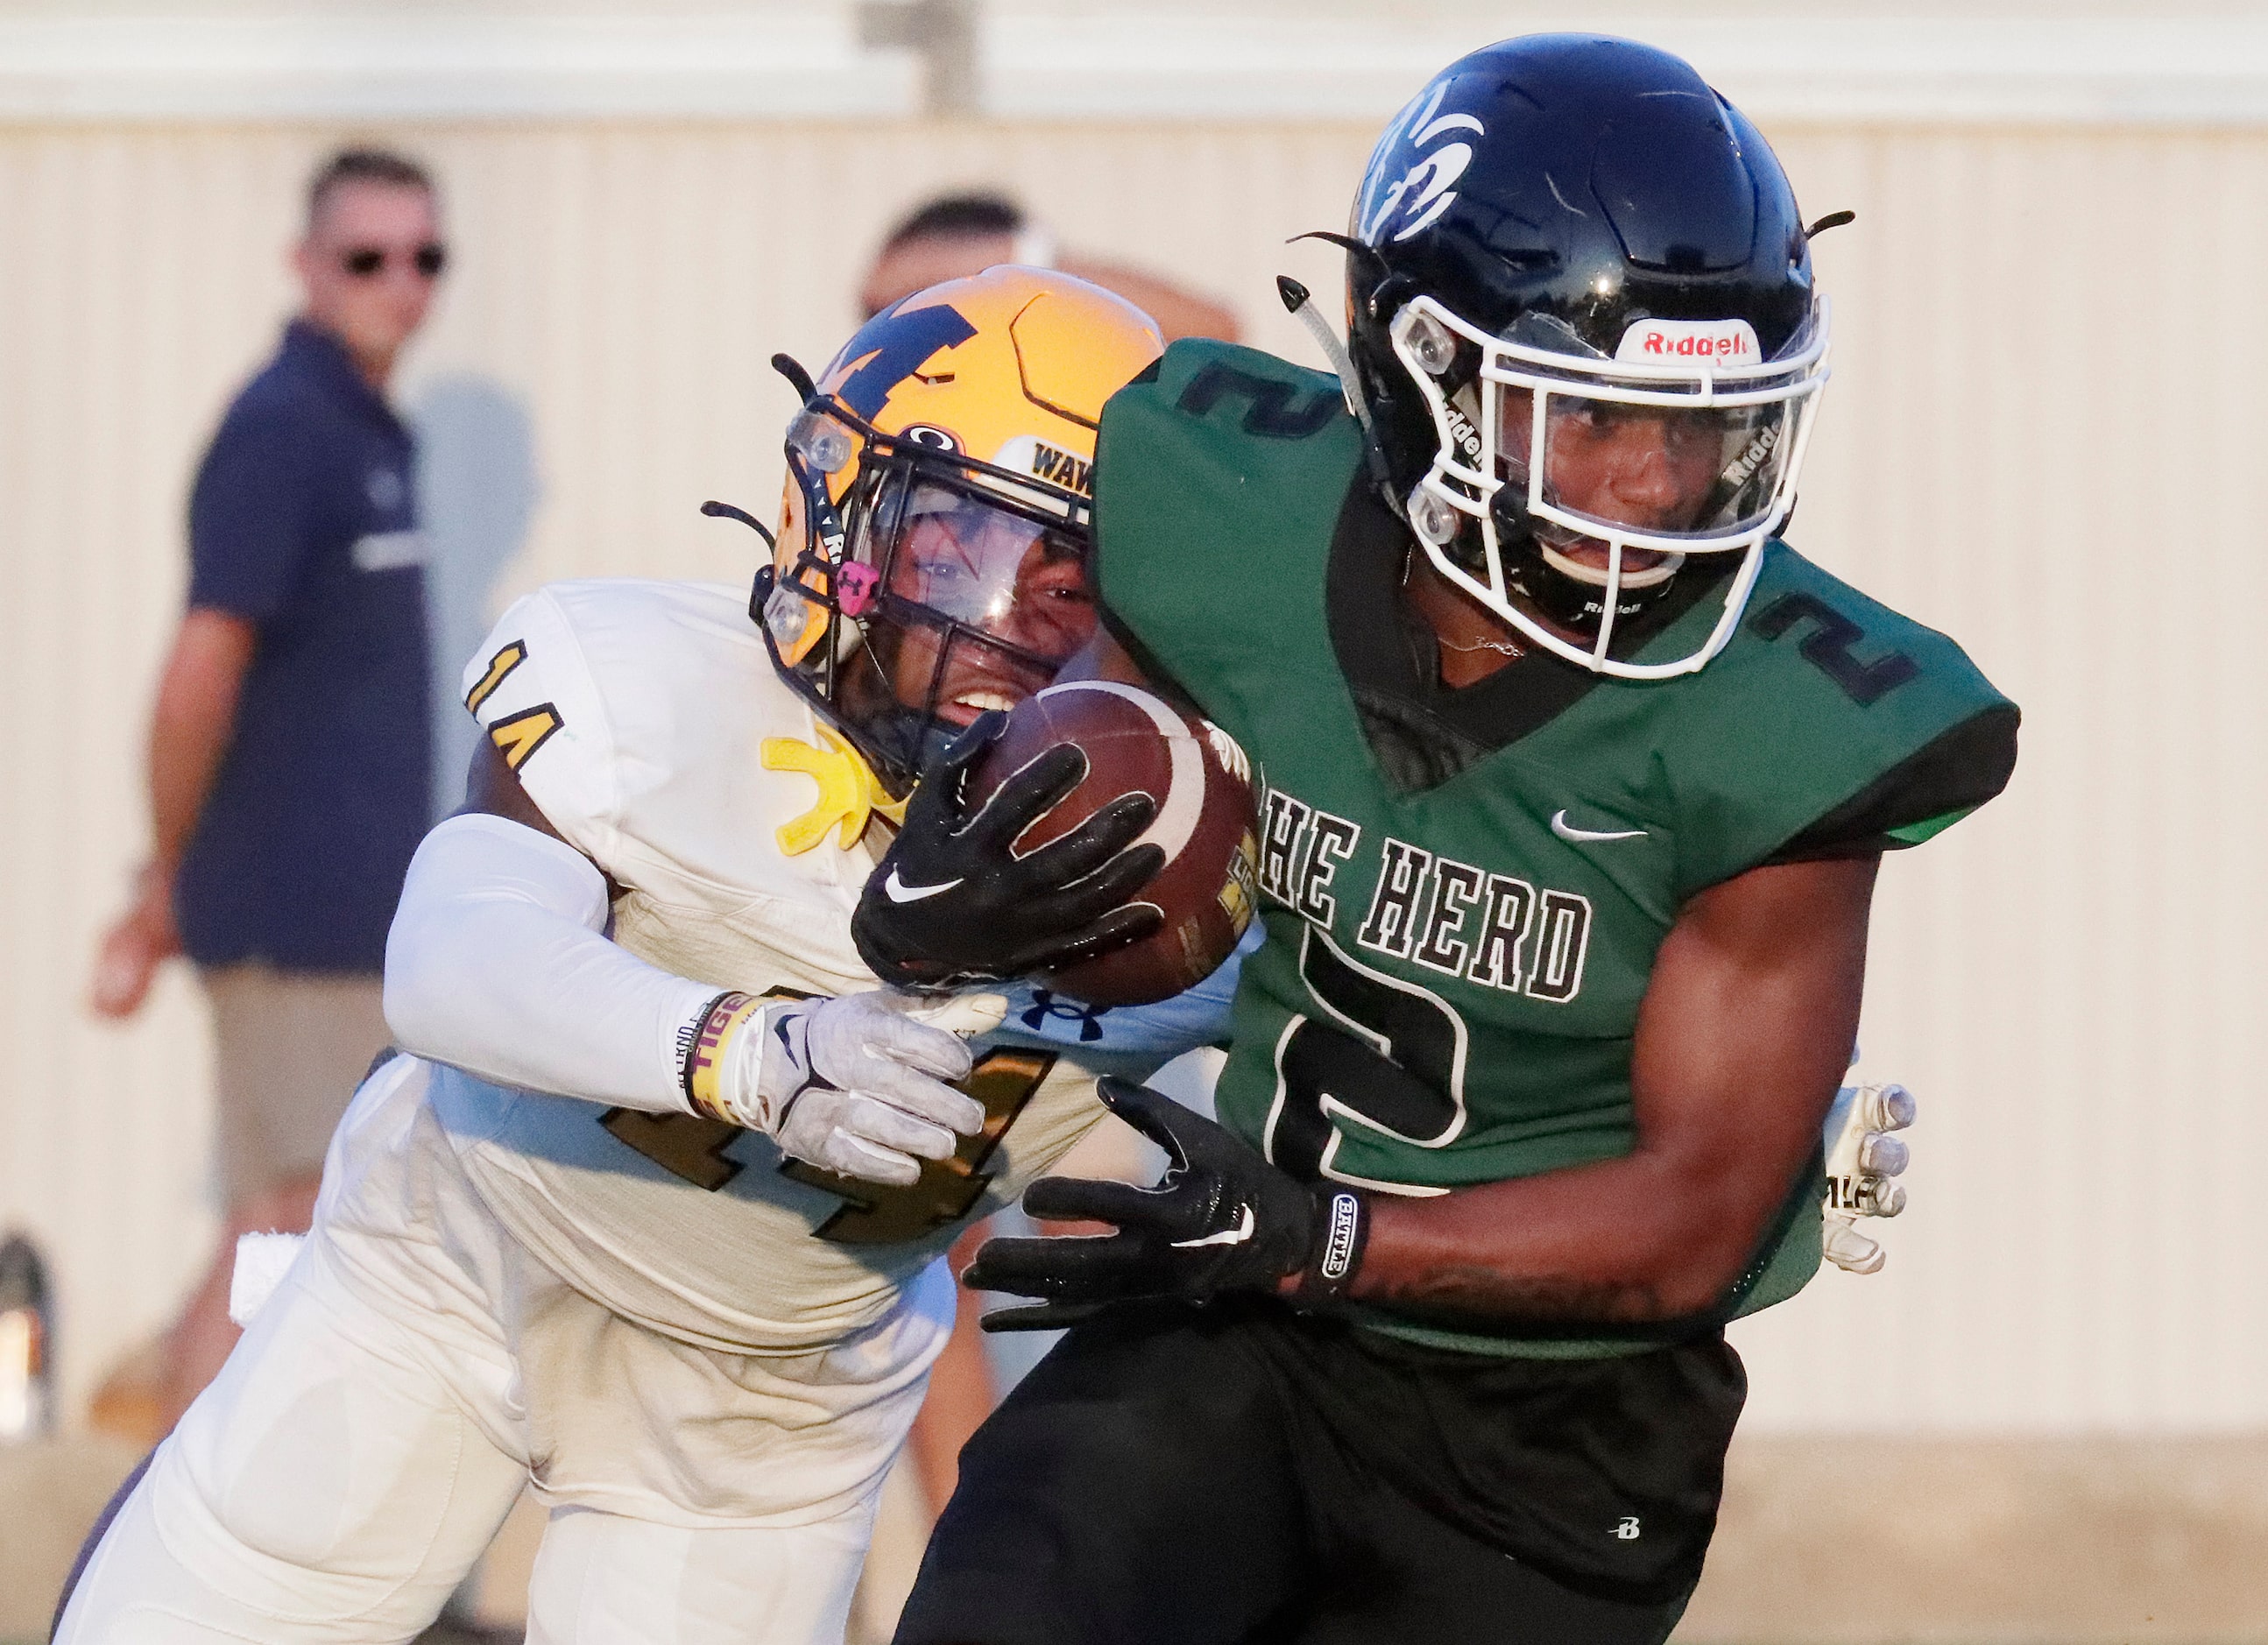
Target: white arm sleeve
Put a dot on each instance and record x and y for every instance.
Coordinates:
(496, 964)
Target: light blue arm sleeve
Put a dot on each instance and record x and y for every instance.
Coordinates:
(1131, 1041)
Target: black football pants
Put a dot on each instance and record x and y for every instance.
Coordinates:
(1149, 1485)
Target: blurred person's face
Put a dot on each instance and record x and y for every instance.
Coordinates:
(915, 265)
(368, 264)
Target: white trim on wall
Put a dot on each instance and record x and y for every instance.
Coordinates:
(2066, 72)
(773, 64)
(448, 68)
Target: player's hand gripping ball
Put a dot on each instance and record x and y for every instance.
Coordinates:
(1206, 887)
(1097, 840)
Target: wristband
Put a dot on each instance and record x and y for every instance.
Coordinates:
(703, 1059)
(1344, 1216)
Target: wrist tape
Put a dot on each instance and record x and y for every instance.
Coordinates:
(703, 1073)
(1342, 1230)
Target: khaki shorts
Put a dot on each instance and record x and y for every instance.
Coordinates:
(290, 1047)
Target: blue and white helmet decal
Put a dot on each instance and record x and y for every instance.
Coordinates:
(1425, 153)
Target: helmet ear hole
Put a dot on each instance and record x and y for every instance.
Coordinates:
(821, 441)
(1432, 520)
(796, 623)
(1432, 346)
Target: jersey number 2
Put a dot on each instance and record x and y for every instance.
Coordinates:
(1382, 1054)
(1830, 650)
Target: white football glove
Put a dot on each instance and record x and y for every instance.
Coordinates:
(857, 1085)
(1862, 1157)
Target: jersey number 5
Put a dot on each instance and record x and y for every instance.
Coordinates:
(1383, 1054)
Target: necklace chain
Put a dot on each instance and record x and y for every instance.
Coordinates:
(1502, 648)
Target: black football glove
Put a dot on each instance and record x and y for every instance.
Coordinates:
(1221, 1219)
(952, 904)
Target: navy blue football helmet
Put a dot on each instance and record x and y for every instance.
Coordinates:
(1581, 316)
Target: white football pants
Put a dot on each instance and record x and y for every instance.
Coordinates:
(385, 1407)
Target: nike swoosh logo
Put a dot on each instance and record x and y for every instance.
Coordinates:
(1567, 830)
(1235, 1236)
(898, 891)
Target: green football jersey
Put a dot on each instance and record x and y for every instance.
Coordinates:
(1459, 940)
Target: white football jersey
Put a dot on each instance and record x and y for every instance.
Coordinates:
(645, 720)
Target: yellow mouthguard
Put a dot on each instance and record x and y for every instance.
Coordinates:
(848, 794)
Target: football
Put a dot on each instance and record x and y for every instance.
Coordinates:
(1136, 742)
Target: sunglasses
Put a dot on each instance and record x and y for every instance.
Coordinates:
(364, 261)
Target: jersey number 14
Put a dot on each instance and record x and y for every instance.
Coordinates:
(691, 1147)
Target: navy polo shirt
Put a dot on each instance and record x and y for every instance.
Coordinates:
(302, 522)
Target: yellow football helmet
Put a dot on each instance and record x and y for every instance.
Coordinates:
(931, 557)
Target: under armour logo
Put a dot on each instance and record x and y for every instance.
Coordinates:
(1627, 1531)
(1046, 1003)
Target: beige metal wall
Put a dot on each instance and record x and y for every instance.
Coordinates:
(2042, 438)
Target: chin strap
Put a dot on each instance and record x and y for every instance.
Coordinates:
(849, 793)
(1295, 298)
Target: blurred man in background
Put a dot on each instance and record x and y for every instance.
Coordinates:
(955, 235)
(290, 751)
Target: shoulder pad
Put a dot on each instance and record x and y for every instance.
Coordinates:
(591, 690)
(1229, 385)
(1226, 469)
(1834, 642)
(1822, 692)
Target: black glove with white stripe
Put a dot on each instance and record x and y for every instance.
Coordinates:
(1221, 1219)
(953, 904)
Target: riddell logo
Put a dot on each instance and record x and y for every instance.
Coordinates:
(1467, 439)
(1705, 342)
